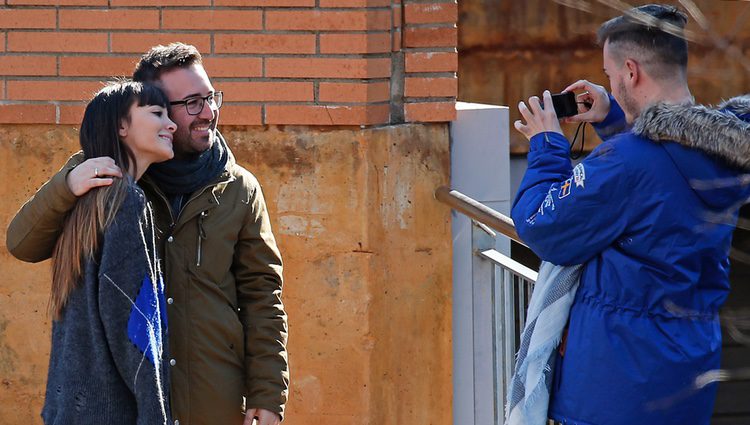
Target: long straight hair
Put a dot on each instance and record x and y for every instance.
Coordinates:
(95, 210)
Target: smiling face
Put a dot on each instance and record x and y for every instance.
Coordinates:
(195, 133)
(148, 133)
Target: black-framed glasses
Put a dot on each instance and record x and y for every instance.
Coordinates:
(194, 105)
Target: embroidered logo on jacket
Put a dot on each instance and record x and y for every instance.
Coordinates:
(549, 201)
(579, 175)
(565, 188)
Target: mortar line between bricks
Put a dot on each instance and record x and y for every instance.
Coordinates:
(358, 80)
(432, 74)
(413, 100)
(188, 31)
(430, 25)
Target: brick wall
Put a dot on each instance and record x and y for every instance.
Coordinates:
(305, 62)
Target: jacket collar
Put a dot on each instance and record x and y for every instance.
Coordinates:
(722, 132)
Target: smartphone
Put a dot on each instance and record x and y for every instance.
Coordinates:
(564, 104)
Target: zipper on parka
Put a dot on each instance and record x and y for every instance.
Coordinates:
(201, 236)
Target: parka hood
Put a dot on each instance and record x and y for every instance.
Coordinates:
(720, 178)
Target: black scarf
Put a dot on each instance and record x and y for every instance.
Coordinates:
(183, 177)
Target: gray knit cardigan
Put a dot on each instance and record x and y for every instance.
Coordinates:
(107, 364)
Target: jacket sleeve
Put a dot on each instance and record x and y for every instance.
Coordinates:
(614, 123)
(567, 214)
(132, 307)
(257, 269)
(34, 230)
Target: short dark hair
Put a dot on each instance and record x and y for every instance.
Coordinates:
(654, 31)
(161, 59)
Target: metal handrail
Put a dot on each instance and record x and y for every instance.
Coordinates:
(478, 211)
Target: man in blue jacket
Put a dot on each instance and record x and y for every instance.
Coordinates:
(650, 214)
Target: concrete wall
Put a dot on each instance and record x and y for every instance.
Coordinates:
(367, 254)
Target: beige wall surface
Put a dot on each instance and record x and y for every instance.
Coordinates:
(367, 254)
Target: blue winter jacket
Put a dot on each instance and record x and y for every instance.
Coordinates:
(650, 214)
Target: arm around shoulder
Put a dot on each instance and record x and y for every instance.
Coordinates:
(34, 230)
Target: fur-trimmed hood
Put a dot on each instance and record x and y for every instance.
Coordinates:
(722, 132)
(721, 178)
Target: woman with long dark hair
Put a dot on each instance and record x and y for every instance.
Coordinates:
(107, 297)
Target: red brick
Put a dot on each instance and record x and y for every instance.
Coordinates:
(396, 47)
(355, 43)
(28, 65)
(97, 66)
(355, 3)
(27, 18)
(264, 43)
(2, 42)
(212, 19)
(354, 92)
(140, 43)
(327, 115)
(232, 114)
(52, 90)
(27, 114)
(327, 68)
(430, 37)
(268, 91)
(430, 112)
(265, 3)
(154, 3)
(431, 87)
(315, 20)
(431, 13)
(233, 67)
(432, 62)
(57, 42)
(109, 19)
(71, 114)
(58, 2)
(397, 11)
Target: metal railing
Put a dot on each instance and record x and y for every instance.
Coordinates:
(501, 289)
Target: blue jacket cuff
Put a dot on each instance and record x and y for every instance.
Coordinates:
(613, 123)
(549, 140)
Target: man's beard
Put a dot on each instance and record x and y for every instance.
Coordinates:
(628, 103)
(188, 148)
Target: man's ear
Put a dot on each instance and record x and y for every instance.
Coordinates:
(633, 70)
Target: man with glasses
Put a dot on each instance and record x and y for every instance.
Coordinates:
(223, 271)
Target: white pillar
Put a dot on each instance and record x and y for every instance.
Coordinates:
(480, 168)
